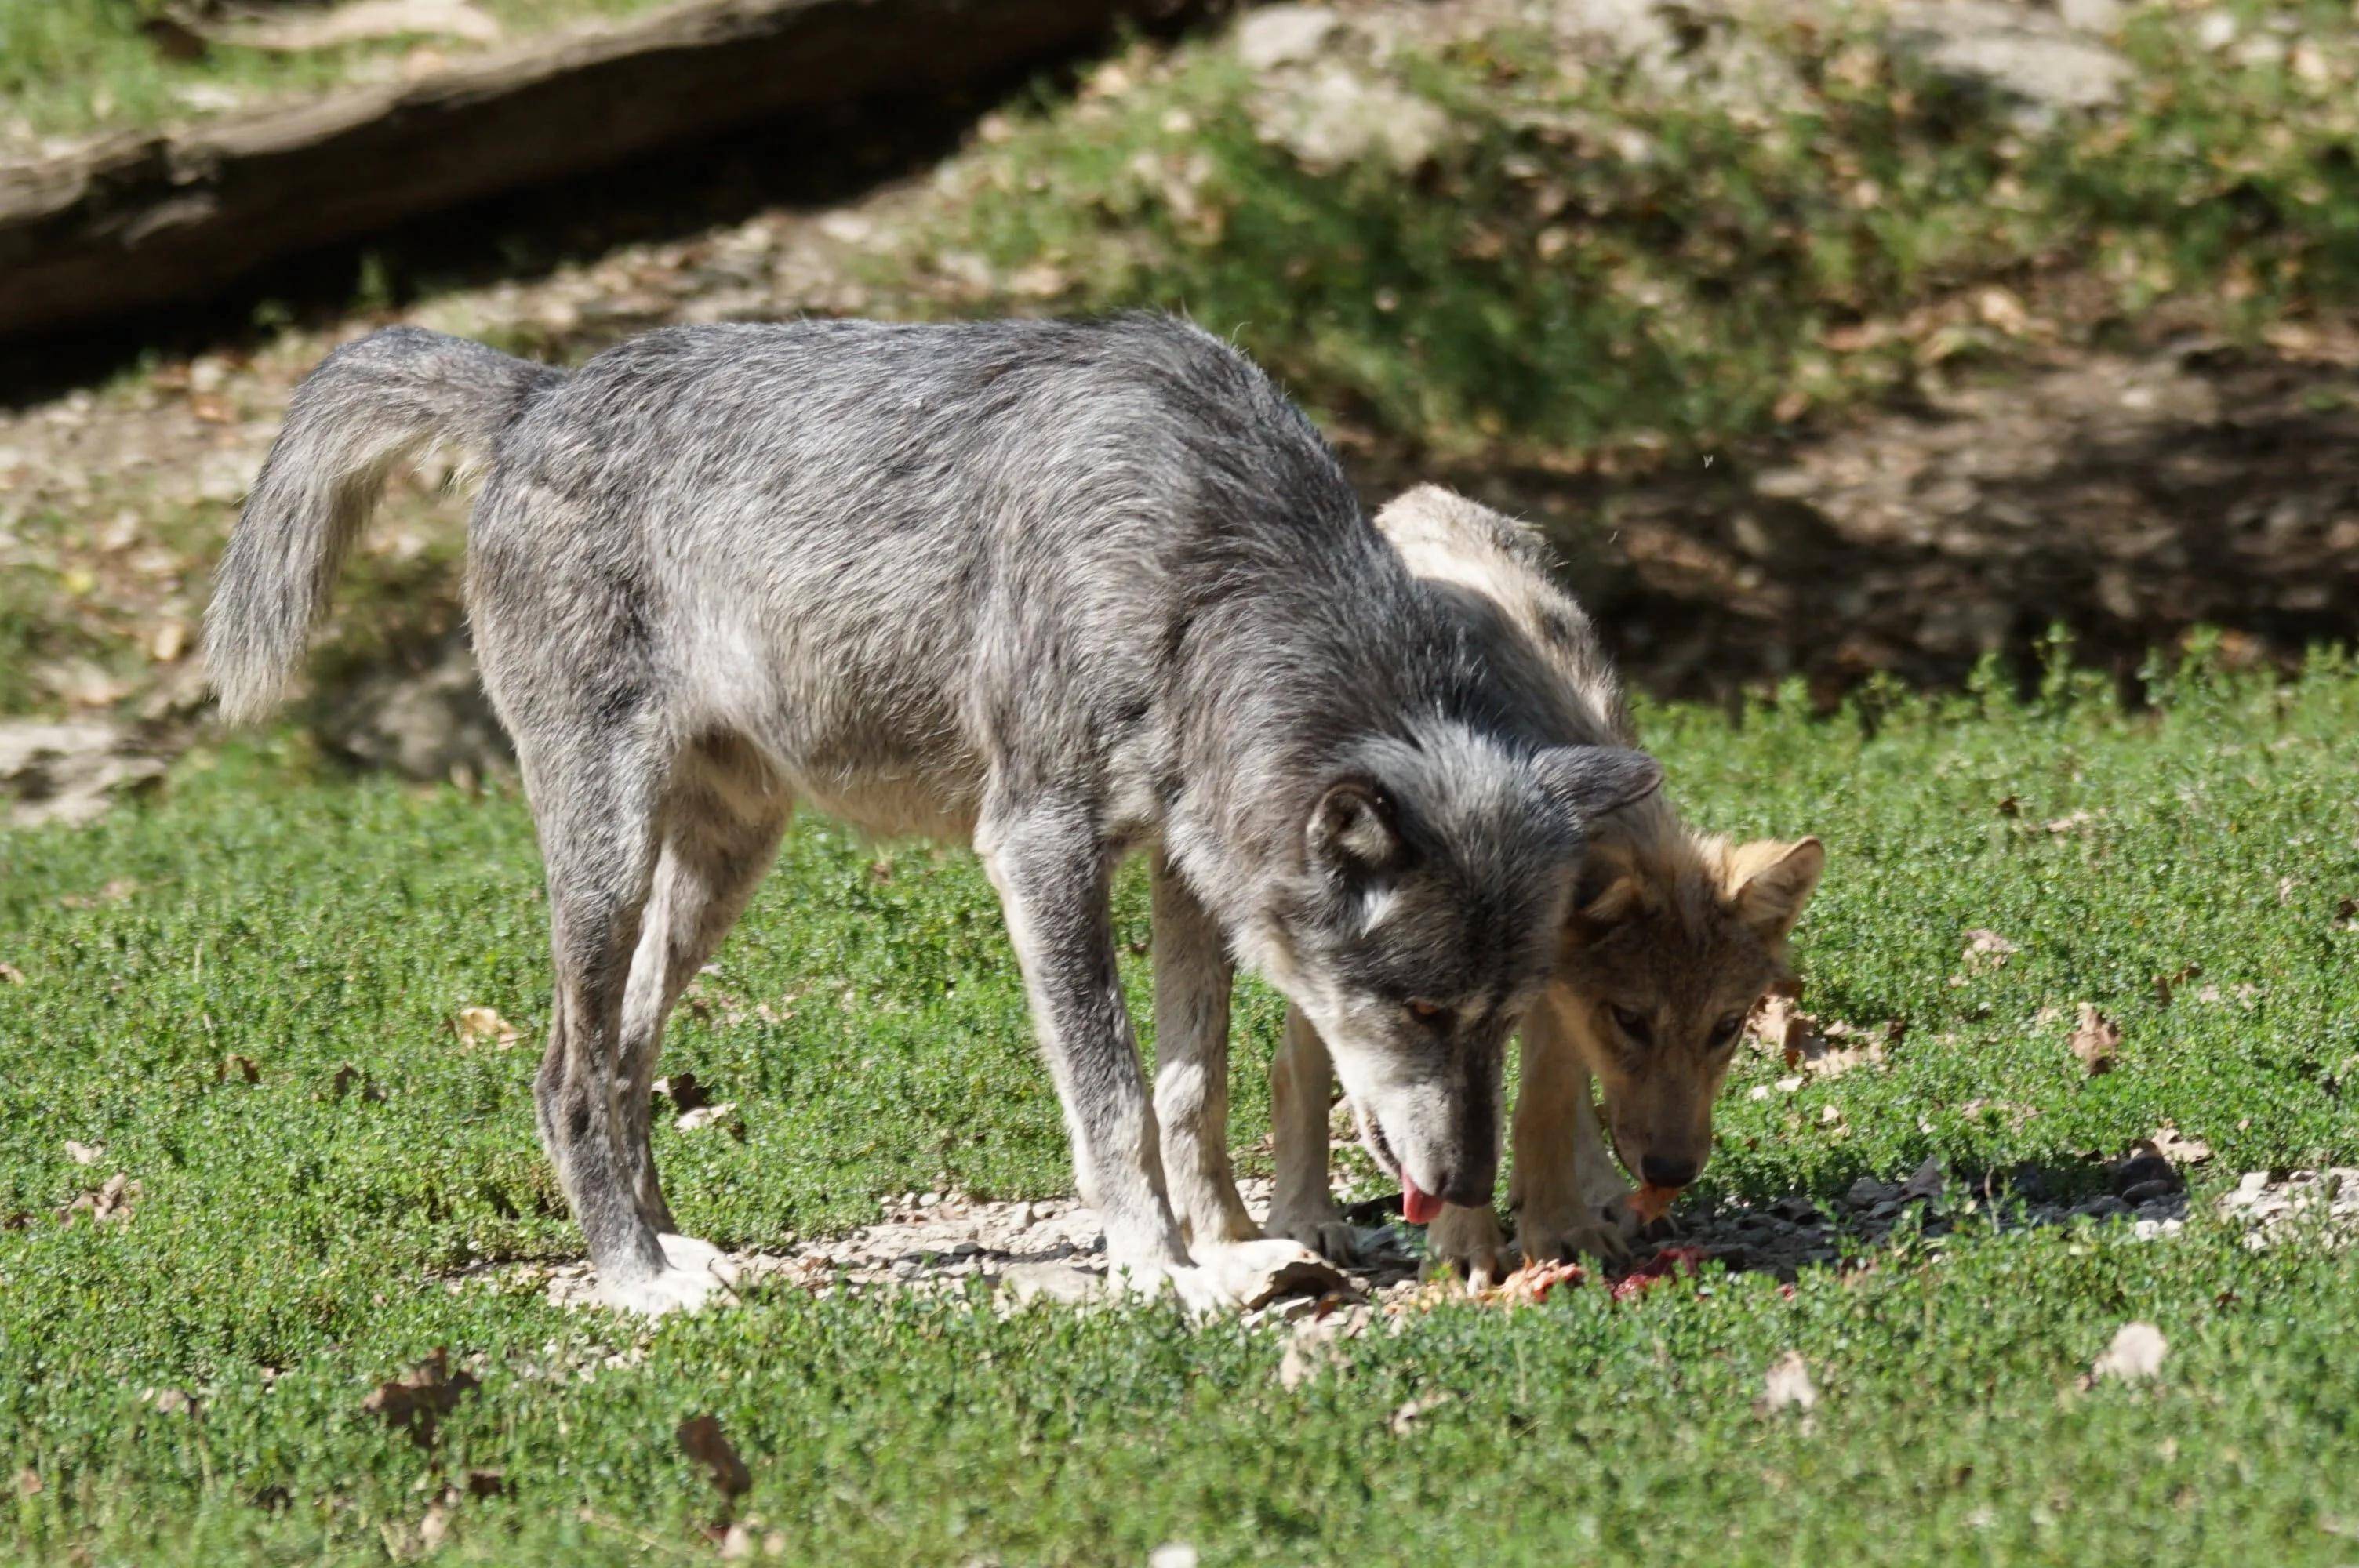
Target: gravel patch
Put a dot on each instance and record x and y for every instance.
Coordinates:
(935, 1242)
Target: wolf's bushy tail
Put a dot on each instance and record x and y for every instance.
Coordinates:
(370, 405)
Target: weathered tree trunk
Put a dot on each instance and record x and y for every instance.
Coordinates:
(137, 219)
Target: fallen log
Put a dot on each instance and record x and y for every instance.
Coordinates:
(142, 218)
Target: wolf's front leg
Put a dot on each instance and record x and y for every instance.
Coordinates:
(1193, 978)
(1192, 982)
(1565, 1188)
(1302, 1207)
(1052, 869)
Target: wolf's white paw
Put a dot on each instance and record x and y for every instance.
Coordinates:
(694, 1273)
(1470, 1241)
(1553, 1233)
(1324, 1230)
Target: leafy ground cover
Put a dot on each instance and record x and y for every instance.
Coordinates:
(240, 998)
(1618, 237)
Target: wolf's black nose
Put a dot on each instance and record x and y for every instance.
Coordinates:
(1664, 1171)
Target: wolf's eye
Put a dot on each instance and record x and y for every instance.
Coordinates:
(1725, 1030)
(1424, 1012)
(1633, 1025)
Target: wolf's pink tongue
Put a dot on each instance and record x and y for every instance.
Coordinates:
(1418, 1207)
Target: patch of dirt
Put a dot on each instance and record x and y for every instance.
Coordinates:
(2129, 496)
(1053, 1249)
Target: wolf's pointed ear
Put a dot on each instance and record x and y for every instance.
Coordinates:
(1769, 882)
(1608, 892)
(1353, 827)
(1594, 780)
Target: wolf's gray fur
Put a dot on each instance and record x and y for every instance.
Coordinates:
(1063, 588)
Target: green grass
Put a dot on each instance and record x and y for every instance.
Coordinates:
(72, 67)
(283, 1255)
(1596, 260)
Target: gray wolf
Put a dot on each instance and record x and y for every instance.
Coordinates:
(1671, 937)
(1062, 589)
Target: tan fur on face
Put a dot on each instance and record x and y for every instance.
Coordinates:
(1685, 932)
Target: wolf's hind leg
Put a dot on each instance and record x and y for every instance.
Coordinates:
(722, 814)
(595, 795)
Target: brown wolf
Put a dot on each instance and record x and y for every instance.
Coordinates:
(1673, 935)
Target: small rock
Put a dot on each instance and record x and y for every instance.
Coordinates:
(1050, 1282)
(2102, 1208)
(2140, 1168)
(1788, 1384)
(1867, 1191)
(2135, 1356)
(1283, 34)
(1339, 117)
(2014, 52)
(2146, 1192)
(68, 773)
(1926, 1184)
(1172, 1554)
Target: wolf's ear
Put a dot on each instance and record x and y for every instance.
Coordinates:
(1353, 827)
(1609, 891)
(1769, 882)
(1594, 780)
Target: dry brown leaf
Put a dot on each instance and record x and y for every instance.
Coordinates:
(684, 1091)
(2177, 1149)
(1788, 1386)
(172, 1402)
(347, 1078)
(481, 1025)
(2167, 986)
(85, 1154)
(723, 1116)
(1404, 1420)
(1988, 949)
(702, 1439)
(2095, 1041)
(1803, 1041)
(2135, 1356)
(28, 1482)
(416, 1402)
(11, 975)
(435, 1527)
(242, 1068)
(111, 1202)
